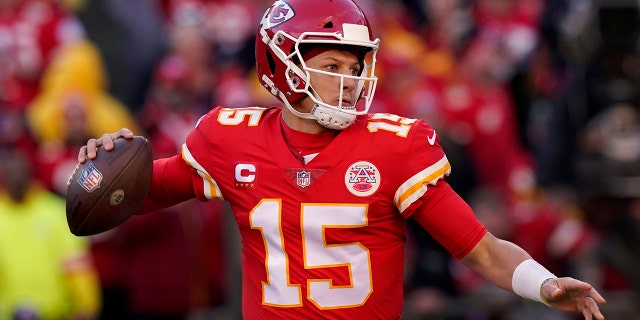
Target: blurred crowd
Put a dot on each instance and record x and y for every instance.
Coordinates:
(536, 103)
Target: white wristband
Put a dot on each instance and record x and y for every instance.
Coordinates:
(528, 278)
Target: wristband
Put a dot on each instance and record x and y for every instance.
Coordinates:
(528, 278)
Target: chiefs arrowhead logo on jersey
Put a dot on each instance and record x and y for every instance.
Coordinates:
(279, 13)
(362, 179)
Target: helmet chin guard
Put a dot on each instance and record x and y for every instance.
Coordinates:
(328, 117)
(333, 118)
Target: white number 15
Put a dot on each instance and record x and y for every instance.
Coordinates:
(278, 290)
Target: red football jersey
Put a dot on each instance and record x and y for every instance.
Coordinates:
(323, 239)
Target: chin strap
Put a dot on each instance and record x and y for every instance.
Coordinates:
(333, 118)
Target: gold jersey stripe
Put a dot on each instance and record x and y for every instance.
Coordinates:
(416, 186)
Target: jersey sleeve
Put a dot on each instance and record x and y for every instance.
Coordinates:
(449, 219)
(425, 165)
(200, 151)
(183, 176)
(430, 200)
(170, 184)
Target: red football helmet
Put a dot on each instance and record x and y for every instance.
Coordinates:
(291, 25)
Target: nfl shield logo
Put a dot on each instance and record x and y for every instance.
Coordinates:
(303, 179)
(90, 178)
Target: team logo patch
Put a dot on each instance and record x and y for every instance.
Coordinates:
(303, 178)
(362, 179)
(280, 12)
(90, 178)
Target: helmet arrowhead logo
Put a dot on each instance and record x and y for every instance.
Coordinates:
(277, 14)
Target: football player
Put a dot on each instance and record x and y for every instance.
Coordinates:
(321, 188)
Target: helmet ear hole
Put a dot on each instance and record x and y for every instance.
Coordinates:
(327, 23)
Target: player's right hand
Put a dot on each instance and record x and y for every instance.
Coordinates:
(89, 151)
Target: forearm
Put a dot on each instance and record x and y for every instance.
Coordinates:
(496, 260)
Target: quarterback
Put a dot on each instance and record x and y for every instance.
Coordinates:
(321, 188)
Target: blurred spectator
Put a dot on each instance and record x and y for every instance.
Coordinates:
(189, 66)
(608, 169)
(593, 54)
(479, 114)
(30, 33)
(214, 39)
(14, 131)
(45, 271)
(72, 106)
(429, 283)
(131, 36)
(172, 106)
(168, 265)
(230, 27)
(510, 24)
(512, 27)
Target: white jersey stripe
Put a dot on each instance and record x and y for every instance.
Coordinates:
(210, 186)
(416, 186)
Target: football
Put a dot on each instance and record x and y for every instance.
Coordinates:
(104, 192)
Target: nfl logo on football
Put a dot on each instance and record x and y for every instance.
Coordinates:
(90, 178)
(303, 179)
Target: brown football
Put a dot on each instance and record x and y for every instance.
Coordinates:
(104, 192)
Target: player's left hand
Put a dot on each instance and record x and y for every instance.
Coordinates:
(89, 151)
(569, 294)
